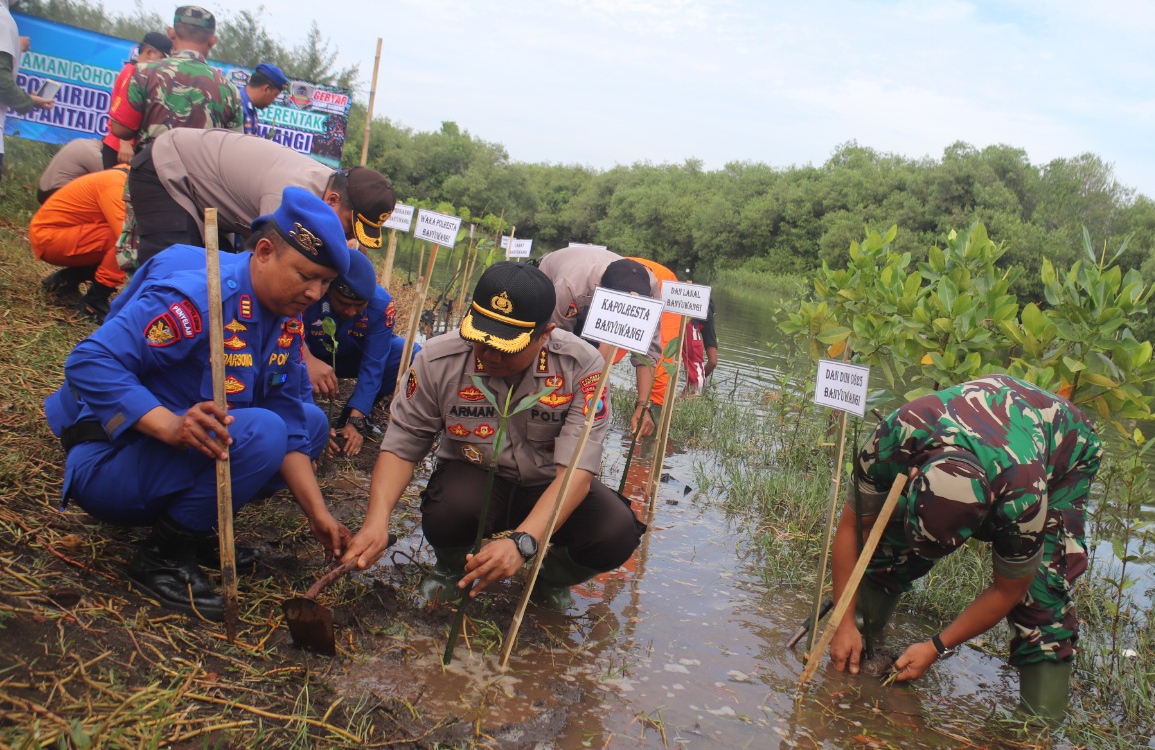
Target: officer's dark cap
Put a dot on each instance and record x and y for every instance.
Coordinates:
(510, 301)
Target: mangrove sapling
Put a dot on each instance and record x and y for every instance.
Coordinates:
(329, 326)
(503, 415)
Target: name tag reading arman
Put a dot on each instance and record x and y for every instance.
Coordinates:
(691, 300)
(620, 319)
(440, 229)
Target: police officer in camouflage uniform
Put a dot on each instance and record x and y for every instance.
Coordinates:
(1004, 462)
(506, 344)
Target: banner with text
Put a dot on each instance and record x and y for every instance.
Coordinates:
(842, 386)
(307, 117)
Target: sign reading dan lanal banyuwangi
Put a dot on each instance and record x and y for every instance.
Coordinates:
(624, 320)
(691, 300)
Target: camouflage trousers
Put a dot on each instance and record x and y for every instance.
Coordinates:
(1044, 624)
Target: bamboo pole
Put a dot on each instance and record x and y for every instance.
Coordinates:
(856, 575)
(470, 255)
(224, 467)
(591, 415)
(369, 111)
(386, 278)
(828, 532)
(415, 319)
(659, 457)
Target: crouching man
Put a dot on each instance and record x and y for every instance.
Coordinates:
(506, 343)
(137, 418)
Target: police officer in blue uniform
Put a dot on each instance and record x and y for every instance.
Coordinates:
(363, 315)
(142, 432)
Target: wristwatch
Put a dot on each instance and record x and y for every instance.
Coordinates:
(526, 544)
(358, 423)
(943, 651)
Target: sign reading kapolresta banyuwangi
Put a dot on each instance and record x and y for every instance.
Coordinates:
(624, 320)
(307, 117)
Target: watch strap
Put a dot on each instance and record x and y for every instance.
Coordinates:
(939, 646)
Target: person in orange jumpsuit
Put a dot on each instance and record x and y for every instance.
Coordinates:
(669, 331)
(77, 228)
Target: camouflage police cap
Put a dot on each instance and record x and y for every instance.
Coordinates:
(194, 15)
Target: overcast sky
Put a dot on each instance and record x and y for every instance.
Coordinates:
(605, 82)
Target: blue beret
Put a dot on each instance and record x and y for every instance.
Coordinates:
(311, 227)
(273, 73)
(361, 281)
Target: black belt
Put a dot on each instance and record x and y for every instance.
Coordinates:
(84, 431)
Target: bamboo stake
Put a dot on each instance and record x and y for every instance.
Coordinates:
(667, 418)
(224, 468)
(468, 257)
(415, 319)
(856, 575)
(591, 415)
(390, 254)
(369, 111)
(828, 532)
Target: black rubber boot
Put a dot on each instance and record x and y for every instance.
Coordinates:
(95, 302)
(441, 581)
(165, 569)
(1044, 689)
(66, 282)
(209, 555)
(875, 607)
(559, 572)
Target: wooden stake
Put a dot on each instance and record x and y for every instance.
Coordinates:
(224, 468)
(390, 255)
(415, 320)
(828, 533)
(667, 418)
(819, 649)
(369, 111)
(591, 415)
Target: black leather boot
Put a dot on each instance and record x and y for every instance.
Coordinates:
(209, 555)
(95, 303)
(165, 569)
(65, 283)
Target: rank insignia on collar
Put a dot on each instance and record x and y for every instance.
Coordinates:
(233, 385)
(554, 381)
(411, 384)
(571, 311)
(543, 361)
(246, 307)
(236, 326)
(458, 430)
(472, 454)
(472, 393)
(162, 331)
(484, 431)
(478, 366)
(234, 342)
(555, 399)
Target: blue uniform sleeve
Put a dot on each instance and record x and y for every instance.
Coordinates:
(148, 355)
(374, 354)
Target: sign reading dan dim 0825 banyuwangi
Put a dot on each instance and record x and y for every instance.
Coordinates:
(307, 117)
(842, 386)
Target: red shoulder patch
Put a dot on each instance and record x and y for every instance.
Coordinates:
(390, 315)
(162, 331)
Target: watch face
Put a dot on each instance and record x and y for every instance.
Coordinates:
(526, 545)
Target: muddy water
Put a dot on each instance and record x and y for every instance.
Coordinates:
(682, 647)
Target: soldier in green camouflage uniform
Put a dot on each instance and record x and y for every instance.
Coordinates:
(1004, 462)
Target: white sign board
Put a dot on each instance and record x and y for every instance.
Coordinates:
(401, 218)
(505, 242)
(519, 249)
(691, 300)
(842, 386)
(620, 319)
(437, 228)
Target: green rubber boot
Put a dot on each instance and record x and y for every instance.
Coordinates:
(441, 581)
(874, 606)
(559, 572)
(1044, 689)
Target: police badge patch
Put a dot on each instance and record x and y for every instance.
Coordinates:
(411, 384)
(162, 331)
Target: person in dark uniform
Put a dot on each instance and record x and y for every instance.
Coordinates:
(1007, 463)
(261, 90)
(363, 315)
(508, 346)
(142, 432)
